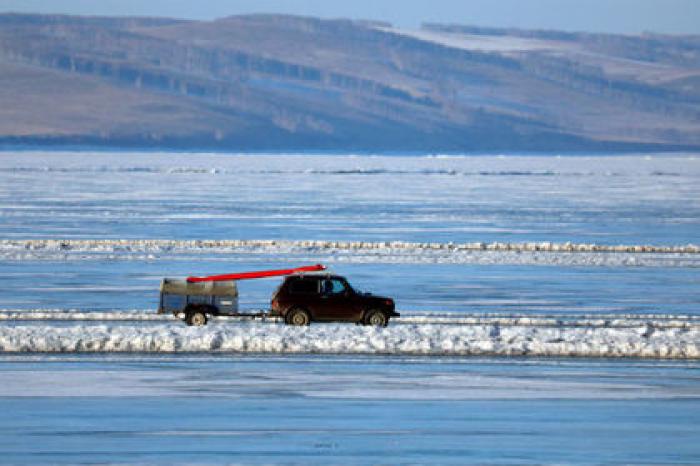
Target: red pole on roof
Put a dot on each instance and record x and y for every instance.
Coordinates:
(257, 274)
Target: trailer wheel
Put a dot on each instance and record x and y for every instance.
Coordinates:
(196, 319)
(298, 317)
(376, 318)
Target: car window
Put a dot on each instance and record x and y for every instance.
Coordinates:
(334, 286)
(301, 286)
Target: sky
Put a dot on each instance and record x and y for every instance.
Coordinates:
(615, 16)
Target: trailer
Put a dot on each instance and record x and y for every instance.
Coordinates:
(196, 299)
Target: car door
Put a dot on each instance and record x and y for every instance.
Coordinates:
(336, 300)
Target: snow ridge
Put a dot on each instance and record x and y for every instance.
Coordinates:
(395, 252)
(642, 341)
(351, 170)
(156, 245)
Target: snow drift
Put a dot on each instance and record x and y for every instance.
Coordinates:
(559, 254)
(643, 340)
(157, 245)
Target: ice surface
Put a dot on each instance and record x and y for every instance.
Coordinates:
(407, 317)
(312, 409)
(95, 232)
(603, 200)
(458, 241)
(397, 385)
(106, 285)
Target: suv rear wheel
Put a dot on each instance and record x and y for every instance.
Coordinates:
(298, 317)
(376, 318)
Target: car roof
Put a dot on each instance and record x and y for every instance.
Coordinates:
(315, 276)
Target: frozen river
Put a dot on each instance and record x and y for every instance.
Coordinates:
(645, 199)
(350, 410)
(527, 244)
(580, 200)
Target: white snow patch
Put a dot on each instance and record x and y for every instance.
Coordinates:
(644, 340)
(157, 245)
(543, 253)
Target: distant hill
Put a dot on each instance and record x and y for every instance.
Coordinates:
(269, 83)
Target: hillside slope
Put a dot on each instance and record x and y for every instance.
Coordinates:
(266, 82)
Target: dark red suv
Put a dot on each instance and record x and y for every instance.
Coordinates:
(302, 299)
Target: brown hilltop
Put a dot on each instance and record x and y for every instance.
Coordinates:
(272, 82)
